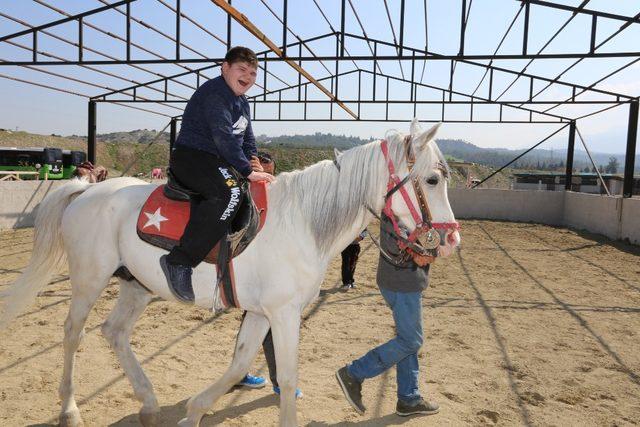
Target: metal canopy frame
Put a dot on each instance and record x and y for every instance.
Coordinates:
(372, 82)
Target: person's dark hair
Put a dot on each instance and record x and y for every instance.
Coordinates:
(241, 54)
(265, 157)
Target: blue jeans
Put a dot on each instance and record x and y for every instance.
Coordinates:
(402, 350)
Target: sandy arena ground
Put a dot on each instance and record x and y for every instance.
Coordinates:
(527, 324)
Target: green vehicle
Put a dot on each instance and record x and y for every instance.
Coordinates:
(70, 161)
(50, 163)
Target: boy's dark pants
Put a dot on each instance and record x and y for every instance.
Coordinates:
(212, 211)
(349, 260)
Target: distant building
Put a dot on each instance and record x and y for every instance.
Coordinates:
(581, 182)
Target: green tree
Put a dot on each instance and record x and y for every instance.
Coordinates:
(612, 166)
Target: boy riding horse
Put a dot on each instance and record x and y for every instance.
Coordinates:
(214, 151)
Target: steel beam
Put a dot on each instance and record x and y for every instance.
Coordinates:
(570, 149)
(630, 156)
(91, 133)
(249, 26)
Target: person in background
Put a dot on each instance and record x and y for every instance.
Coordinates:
(267, 162)
(349, 260)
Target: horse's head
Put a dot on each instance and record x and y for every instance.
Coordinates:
(417, 199)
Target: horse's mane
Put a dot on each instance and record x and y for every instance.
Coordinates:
(326, 196)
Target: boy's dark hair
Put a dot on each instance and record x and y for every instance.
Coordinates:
(241, 54)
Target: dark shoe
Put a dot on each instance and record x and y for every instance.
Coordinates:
(351, 388)
(419, 407)
(179, 280)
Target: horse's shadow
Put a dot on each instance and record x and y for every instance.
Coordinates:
(171, 414)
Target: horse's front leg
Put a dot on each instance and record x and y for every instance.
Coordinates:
(285, 328)
(252, 332)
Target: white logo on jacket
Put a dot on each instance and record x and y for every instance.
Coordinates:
(233, 202)
(240, 126)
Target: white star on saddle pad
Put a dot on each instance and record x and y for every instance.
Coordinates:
(154, 219)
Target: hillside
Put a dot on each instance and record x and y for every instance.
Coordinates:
(117, 150)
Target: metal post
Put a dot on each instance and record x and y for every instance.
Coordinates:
(35, 46)
(173, 133)
(80, 42)
(91, 133)
(525, 33)
(342, 18)
(284, 28)
(401, 27)
(594, 25)
(462, 25)
(629, 160)
(570, 148)
(375, 64)
(337, 65)
(177, 29)
(128, 25)
(299, 74)
(229, 30)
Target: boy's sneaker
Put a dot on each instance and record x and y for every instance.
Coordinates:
(178, 279)
(251, 381)
(347, 286)
(419, 407)
(276, 390)
(351, 388)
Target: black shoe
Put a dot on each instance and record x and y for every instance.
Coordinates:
(420, 407)
(351, 388)
(179, 280)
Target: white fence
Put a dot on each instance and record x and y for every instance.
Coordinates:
(614, 217)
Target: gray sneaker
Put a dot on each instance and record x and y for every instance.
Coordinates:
(351, 388)
(419, 407)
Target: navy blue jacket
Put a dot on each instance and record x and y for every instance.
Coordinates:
(219, 122)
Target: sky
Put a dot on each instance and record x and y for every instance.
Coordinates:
(45, 111)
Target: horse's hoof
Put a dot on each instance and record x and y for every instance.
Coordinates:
(71, 419)
(149, 418)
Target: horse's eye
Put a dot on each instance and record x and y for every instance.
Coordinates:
(432, 180)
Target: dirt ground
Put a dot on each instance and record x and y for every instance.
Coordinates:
(527, 324)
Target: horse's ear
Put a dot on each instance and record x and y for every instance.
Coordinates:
(415, 127)
(431, 133)
(423, 139)
(336, 153)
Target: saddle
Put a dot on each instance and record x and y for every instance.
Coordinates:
(165, 213)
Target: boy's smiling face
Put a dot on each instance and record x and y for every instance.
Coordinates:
(240, 76)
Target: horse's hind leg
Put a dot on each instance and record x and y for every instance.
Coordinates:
(132, 301)
(252, 332)
(83, 296)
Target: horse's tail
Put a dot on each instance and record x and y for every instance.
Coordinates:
(47, 255)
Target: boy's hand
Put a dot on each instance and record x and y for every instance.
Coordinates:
(255, 164)
(422, 260)
(260, 176)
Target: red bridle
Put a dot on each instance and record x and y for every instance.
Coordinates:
(425, 232)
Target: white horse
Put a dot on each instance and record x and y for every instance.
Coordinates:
(313, 215)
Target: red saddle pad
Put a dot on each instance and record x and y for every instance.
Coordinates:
(165, 220)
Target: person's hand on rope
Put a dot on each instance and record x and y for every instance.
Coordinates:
(255, 164)
(260, 176)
